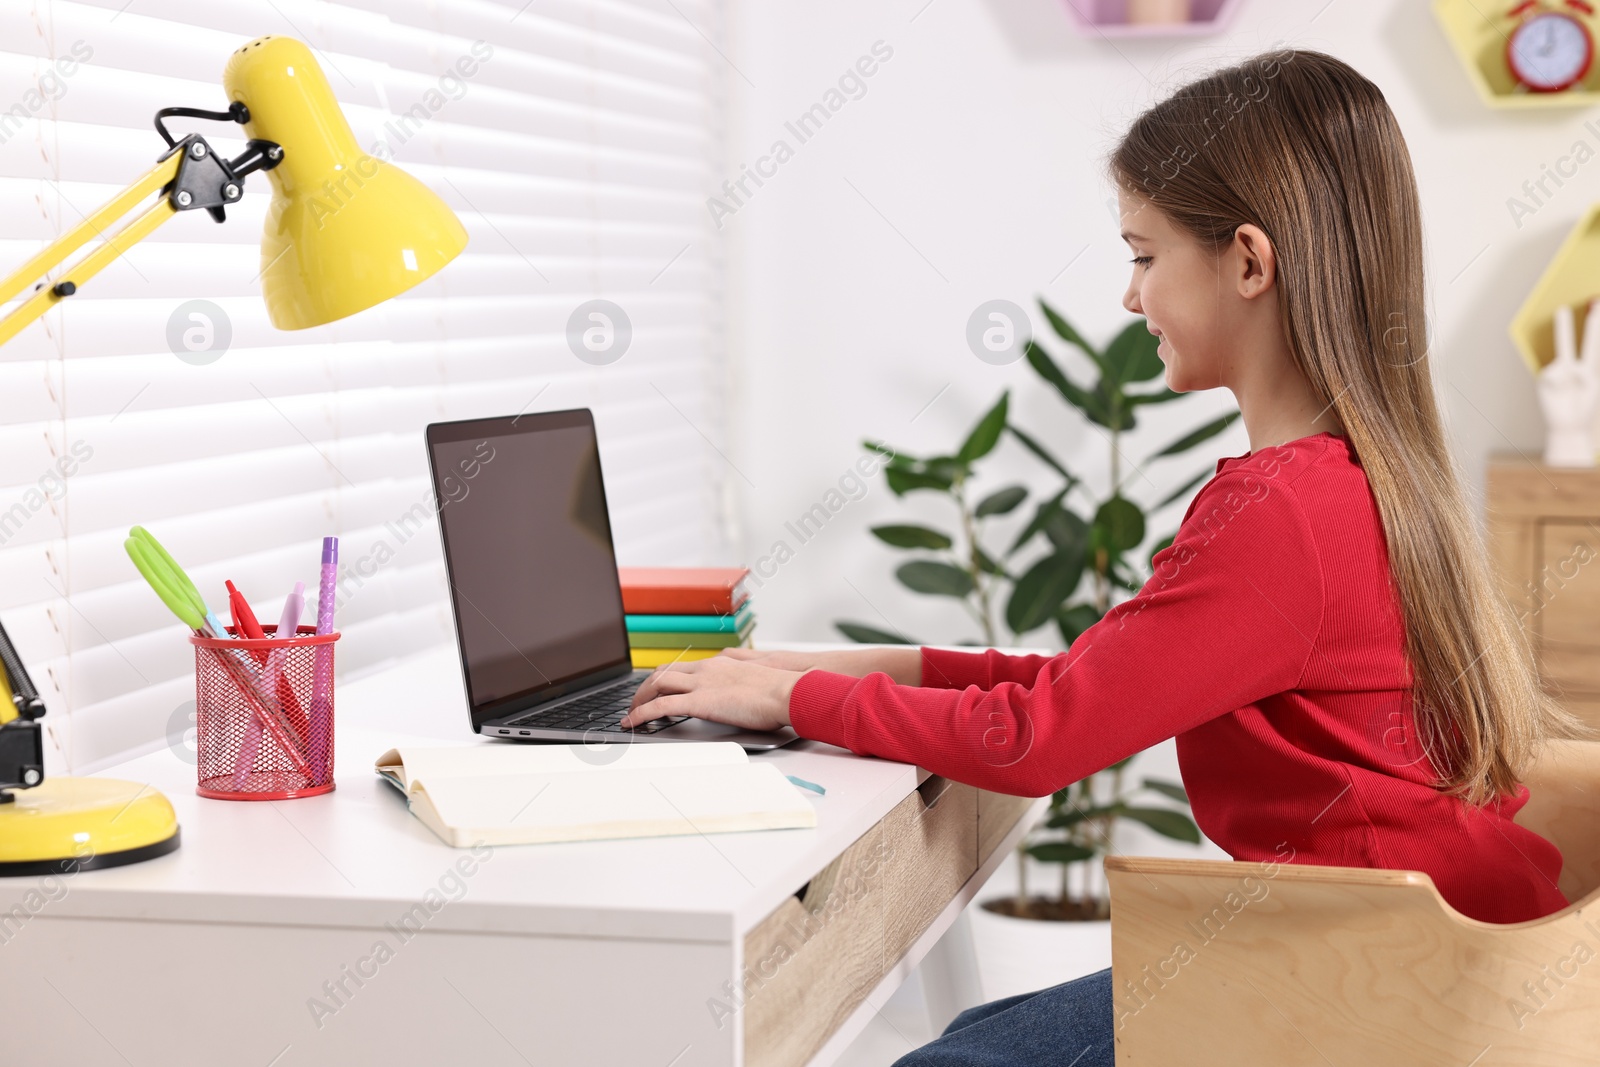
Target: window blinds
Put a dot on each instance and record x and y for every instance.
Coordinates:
(576, 139)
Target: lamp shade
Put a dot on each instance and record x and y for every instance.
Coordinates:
(346, 230)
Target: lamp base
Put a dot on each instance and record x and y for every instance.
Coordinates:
(65, 825)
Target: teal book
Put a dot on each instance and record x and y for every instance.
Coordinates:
(714, 624)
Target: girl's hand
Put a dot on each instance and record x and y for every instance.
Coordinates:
(721, 688)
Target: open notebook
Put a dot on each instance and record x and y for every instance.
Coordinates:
(522, 794)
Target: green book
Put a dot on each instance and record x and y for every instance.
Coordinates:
(688, 638)
(676, 624)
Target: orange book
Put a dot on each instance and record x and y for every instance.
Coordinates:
(682, 590)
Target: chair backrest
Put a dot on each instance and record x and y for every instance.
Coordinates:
(1224, 963)
(1564, 808)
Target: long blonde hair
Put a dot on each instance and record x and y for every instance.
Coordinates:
(1301, 145)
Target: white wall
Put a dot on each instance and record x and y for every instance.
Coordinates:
(970, 170)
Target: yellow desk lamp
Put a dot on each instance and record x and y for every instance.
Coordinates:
(345, 231)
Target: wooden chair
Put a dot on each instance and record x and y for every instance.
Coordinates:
(1218, 963)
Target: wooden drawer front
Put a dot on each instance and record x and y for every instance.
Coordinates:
(997, 814)
(813, 960)
(931, 838)
(1566, 598)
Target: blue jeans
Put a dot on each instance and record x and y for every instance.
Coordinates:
(1066, 1025)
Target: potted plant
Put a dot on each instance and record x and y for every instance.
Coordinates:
(1064, 567)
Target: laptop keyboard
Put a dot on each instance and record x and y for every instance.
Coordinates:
(599, 712)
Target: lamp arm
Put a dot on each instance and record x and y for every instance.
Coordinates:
(189, 175)
(93, 224)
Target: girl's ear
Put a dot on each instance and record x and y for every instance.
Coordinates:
(1256, 260)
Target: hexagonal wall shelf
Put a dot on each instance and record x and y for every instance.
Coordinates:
(1573, 277)
(1478, 31)
(1109, 18)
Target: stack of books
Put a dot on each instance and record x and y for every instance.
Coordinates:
(683, 613)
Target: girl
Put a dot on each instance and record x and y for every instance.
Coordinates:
(1346, 682)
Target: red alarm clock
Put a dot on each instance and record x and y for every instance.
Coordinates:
(1549, 50)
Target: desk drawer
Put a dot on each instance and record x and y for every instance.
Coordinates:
(813, 960)
(997, 814)
(932, 842)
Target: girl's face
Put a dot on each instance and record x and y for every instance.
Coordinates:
(1181, 291)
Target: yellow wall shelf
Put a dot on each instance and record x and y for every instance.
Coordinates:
(1478, 32)
(1572, 278)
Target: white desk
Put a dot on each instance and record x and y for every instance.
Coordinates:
(278, 933)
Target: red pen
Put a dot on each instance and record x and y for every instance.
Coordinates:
(244, 620)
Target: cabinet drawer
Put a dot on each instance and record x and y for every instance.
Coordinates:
(997, 814)
(931, 838)
(814, 959)
(1566, 588)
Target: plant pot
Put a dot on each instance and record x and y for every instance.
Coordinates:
(1026, 955)
(1158, 12)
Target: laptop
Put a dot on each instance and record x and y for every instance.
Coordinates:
(534, 587)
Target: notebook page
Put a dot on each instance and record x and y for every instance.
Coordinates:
(636, 802)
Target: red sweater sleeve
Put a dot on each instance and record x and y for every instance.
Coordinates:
(1230, 616)
(944, 669)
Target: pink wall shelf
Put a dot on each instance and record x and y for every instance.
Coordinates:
(1094, 18)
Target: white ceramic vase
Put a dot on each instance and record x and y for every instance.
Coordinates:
(1026, 955)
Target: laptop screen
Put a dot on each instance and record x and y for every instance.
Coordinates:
(527, 543)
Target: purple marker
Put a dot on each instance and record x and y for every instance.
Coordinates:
(322, 668)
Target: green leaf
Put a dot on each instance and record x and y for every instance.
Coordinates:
(1073, 621)
(1107, 406)
(986, 434)
(912, 537)
(881, 449)
(1184, 488)
(1039, 450)
(988, 564)
(1066, 332)
(1001, 501)
(1173, 824)
(1131, 355)
(871, 635)
(1165, 542)
(1092, 406)
(1121, 522)
(1194, 437)
(903, 480)
(1067, 531)
(1061, 852)
(1037, 595)
(935, 578)
(1170, 789)
(1041, 515)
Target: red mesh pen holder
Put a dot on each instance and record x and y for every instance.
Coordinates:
(256, 741)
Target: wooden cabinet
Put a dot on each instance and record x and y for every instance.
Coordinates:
(1544, 537)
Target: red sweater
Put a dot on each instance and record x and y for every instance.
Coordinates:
(1269, 642)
